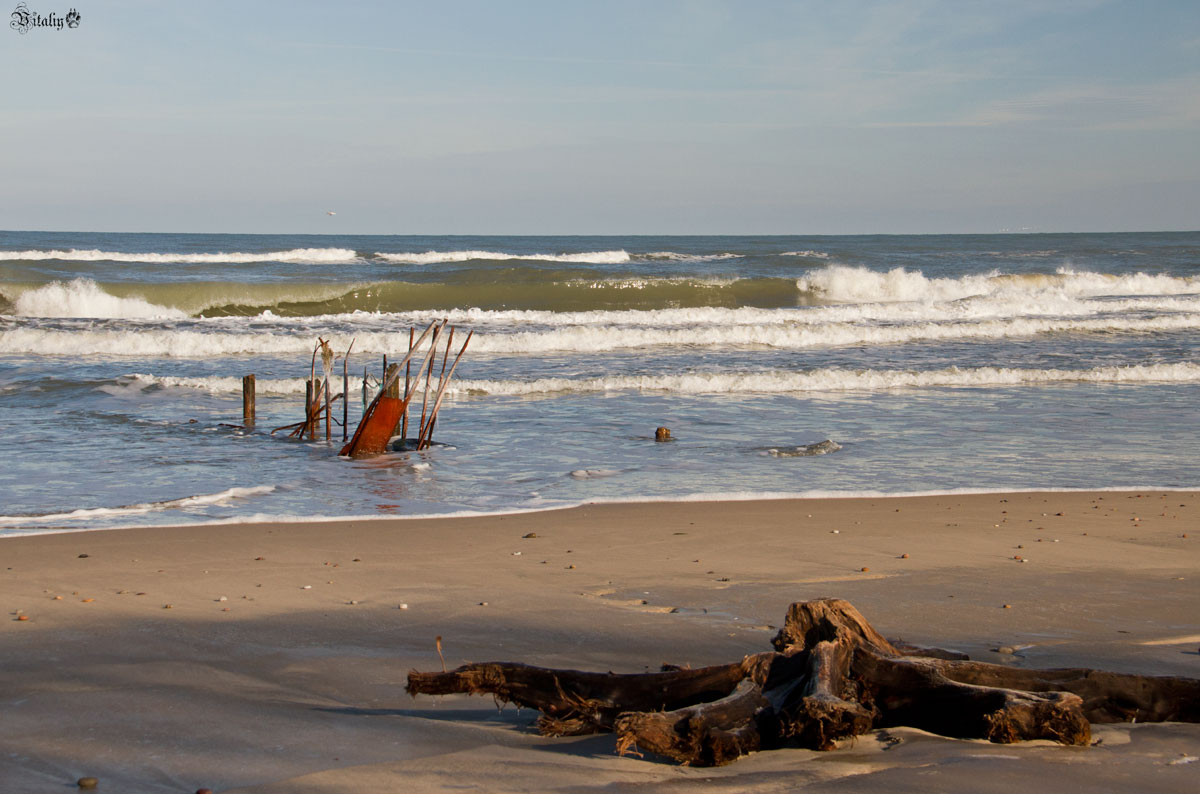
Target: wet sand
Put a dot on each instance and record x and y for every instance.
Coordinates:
(272, 657)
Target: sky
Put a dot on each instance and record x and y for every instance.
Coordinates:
(603, 117)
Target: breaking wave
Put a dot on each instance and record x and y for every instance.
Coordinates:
(84, 298)
(834, 379)
(438, 257)
(844, 283)
(212, 339)
(907, 295)
(737, 383)
(296, 255)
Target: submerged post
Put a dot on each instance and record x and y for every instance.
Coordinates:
(308, 400)
(314, 408)
(247, 400)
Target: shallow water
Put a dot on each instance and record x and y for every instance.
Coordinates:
(932, 362)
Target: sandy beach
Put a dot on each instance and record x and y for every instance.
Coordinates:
(272, 657)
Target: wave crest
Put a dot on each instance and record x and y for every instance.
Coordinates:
(438, 257)
(84, 298)
(296, 255)
(854, 284)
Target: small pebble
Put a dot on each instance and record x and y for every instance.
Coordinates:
(58, 598)
(516, 554)
(82, 556)
(570, 567)
(530, 535)
(864, 569)
(1008, 606)
(483, 603)
(168, 606)
(836, 532)
(904, 556)
(87, 600)
(353, 603)
(1005, 649)
(22, 617)
(403, 606)
(306, 587)
(1017, 557)
(222, 598)
(87, 782)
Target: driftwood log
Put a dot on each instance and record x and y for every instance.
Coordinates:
(830, 676)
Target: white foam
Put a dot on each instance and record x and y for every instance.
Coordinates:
(807, 254)
(140, 509)
(437, 257)
(675, 256)
(797, 337)
(766, 382)
(222, 337)
(84, 298)
(592, 474)
(983, 307)
(844, 283)
(833, 379)
(296, 255)
(565, 504)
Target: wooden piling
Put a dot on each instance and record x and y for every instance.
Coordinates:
(308, 401)
(426, 433)
(393, 389)
(328, 409)
(248, 400)
(441, 378)
(313, 412)
(407, 380)
(428, 378)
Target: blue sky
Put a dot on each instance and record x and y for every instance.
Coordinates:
(606, 117)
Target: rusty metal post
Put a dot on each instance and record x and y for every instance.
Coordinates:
(248, 400)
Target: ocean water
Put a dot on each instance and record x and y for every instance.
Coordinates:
(928, 363)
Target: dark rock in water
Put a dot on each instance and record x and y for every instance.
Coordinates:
(662, 434)
(87, 782)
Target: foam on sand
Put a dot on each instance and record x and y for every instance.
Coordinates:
(142, 508)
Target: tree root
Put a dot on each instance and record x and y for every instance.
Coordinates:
(831, 676)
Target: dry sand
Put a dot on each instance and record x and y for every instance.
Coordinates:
(280, 663)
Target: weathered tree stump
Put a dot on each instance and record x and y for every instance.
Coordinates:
(831, 676)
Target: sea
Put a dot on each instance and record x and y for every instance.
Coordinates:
(782, 366)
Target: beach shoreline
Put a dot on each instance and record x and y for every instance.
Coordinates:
(271, 657)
